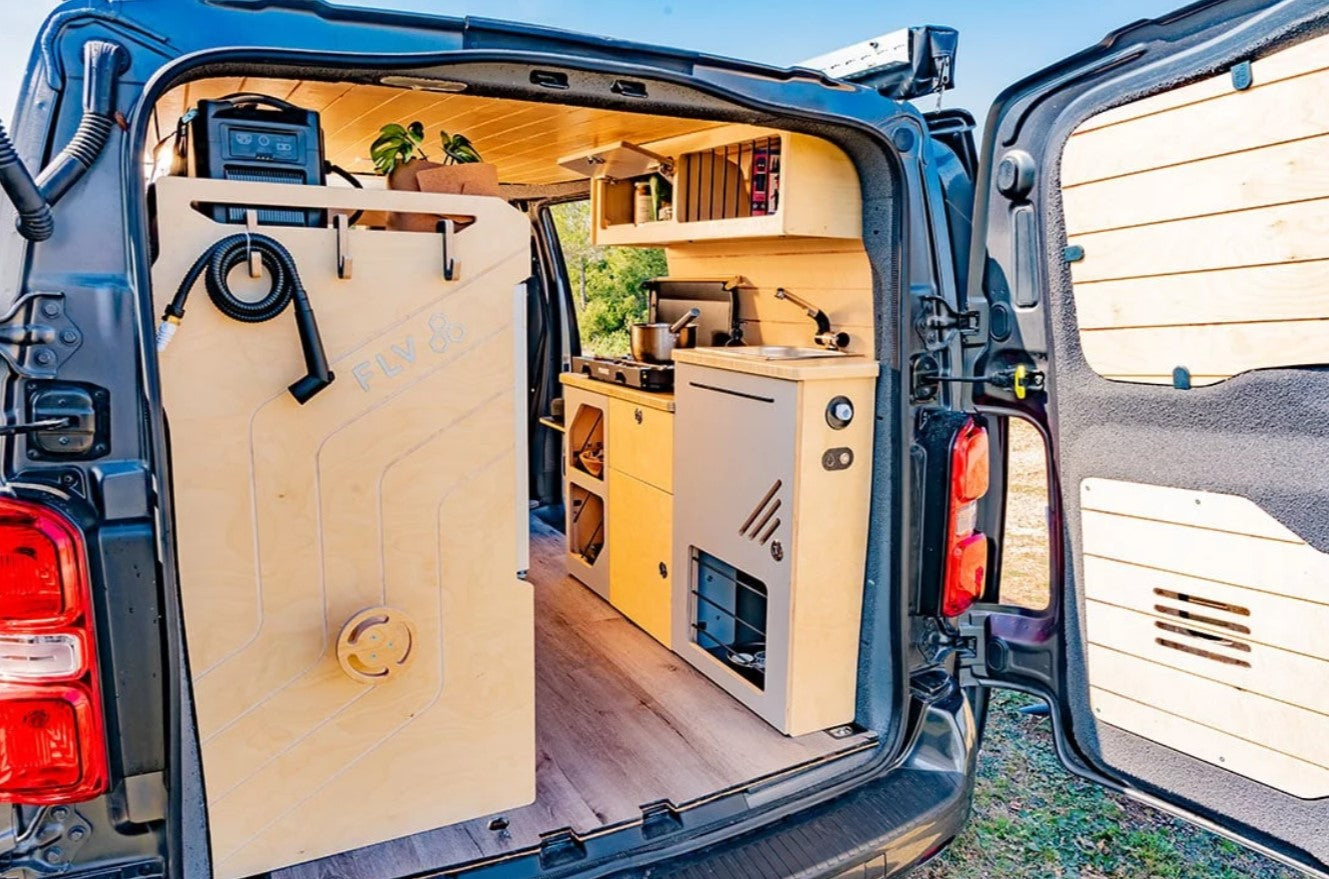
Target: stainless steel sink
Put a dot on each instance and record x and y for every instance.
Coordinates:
(778, 352)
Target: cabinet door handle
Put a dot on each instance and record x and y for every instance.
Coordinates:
(664, 570)
(637, 415)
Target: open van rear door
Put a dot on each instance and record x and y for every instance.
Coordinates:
(1152, 244)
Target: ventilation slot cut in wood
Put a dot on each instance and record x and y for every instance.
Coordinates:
(1203, 602)
(1208, 637)
(1204, 619)
(760, 523)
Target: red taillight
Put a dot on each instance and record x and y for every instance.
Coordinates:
(52, 729)
(966, 547)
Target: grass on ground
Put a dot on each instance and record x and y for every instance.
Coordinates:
(1032, 819)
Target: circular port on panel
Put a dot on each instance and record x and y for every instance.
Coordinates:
(839, 412)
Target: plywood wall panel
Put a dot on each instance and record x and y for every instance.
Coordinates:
(393, 487)
(1205, 620)
(832, 274)
(1202, 215)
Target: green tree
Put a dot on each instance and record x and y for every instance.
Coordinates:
(606, 281)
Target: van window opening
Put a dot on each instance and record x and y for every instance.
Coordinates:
(607, 281)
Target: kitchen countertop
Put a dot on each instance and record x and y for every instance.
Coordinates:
(808, 369)
(662, 400)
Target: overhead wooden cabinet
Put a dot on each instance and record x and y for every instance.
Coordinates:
(395, 498)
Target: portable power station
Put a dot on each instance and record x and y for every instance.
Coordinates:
(262, 139)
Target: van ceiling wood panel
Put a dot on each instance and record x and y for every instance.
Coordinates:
(1203, 213)
(1205, 619)
(524, 138)
(394, 486)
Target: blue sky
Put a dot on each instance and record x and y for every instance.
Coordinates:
(1000, 40)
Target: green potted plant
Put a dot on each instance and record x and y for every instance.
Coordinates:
(398, 154)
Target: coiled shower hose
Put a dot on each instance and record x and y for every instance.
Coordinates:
(216, 263)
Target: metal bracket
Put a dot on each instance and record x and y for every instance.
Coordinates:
(343, 226)
(49, 842)
(941, 319)
(972, 649)
(660, 818)
(448, 228)
(561, 847)
(1242, 76)
(251, 228)
(36, 336)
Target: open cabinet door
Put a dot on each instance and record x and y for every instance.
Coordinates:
(1153, 238)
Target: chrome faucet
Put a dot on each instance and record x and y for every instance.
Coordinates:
(825, 337)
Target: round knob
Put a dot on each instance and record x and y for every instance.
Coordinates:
(376, 644)
(1015, 175)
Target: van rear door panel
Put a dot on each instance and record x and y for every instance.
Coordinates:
(1180, 187)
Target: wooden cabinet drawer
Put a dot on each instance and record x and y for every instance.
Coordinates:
(643, 443)
(642, 521)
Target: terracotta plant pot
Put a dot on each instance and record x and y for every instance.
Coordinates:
(419, 175)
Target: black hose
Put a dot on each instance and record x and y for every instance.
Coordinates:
(330, 168)
(218, 261)
(101, 66)
(35, 222)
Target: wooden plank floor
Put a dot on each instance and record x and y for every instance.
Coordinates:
(620, 721)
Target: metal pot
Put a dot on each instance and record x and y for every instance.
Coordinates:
(655, 342)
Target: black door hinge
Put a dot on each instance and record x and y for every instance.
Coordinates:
(938, 320)
(37, 336)
(926, 378)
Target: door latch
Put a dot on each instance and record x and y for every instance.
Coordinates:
(65, 420)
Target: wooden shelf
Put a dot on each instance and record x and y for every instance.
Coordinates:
(819, 195)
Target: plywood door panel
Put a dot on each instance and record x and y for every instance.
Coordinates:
(1206, 619)
(830, 542)
(1201, 216)
(643, 443)
(1268, 175)
(721, 488)
(1248, 295)
(1239, 120)
(1274, 619)
(1214, 653)
(400, 485)
(1294, 61)
(1210, 353)
(1287, 773)
(641, 567)
(1263, 236)
(1278, 727)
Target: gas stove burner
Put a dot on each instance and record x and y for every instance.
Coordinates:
(625, 371)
